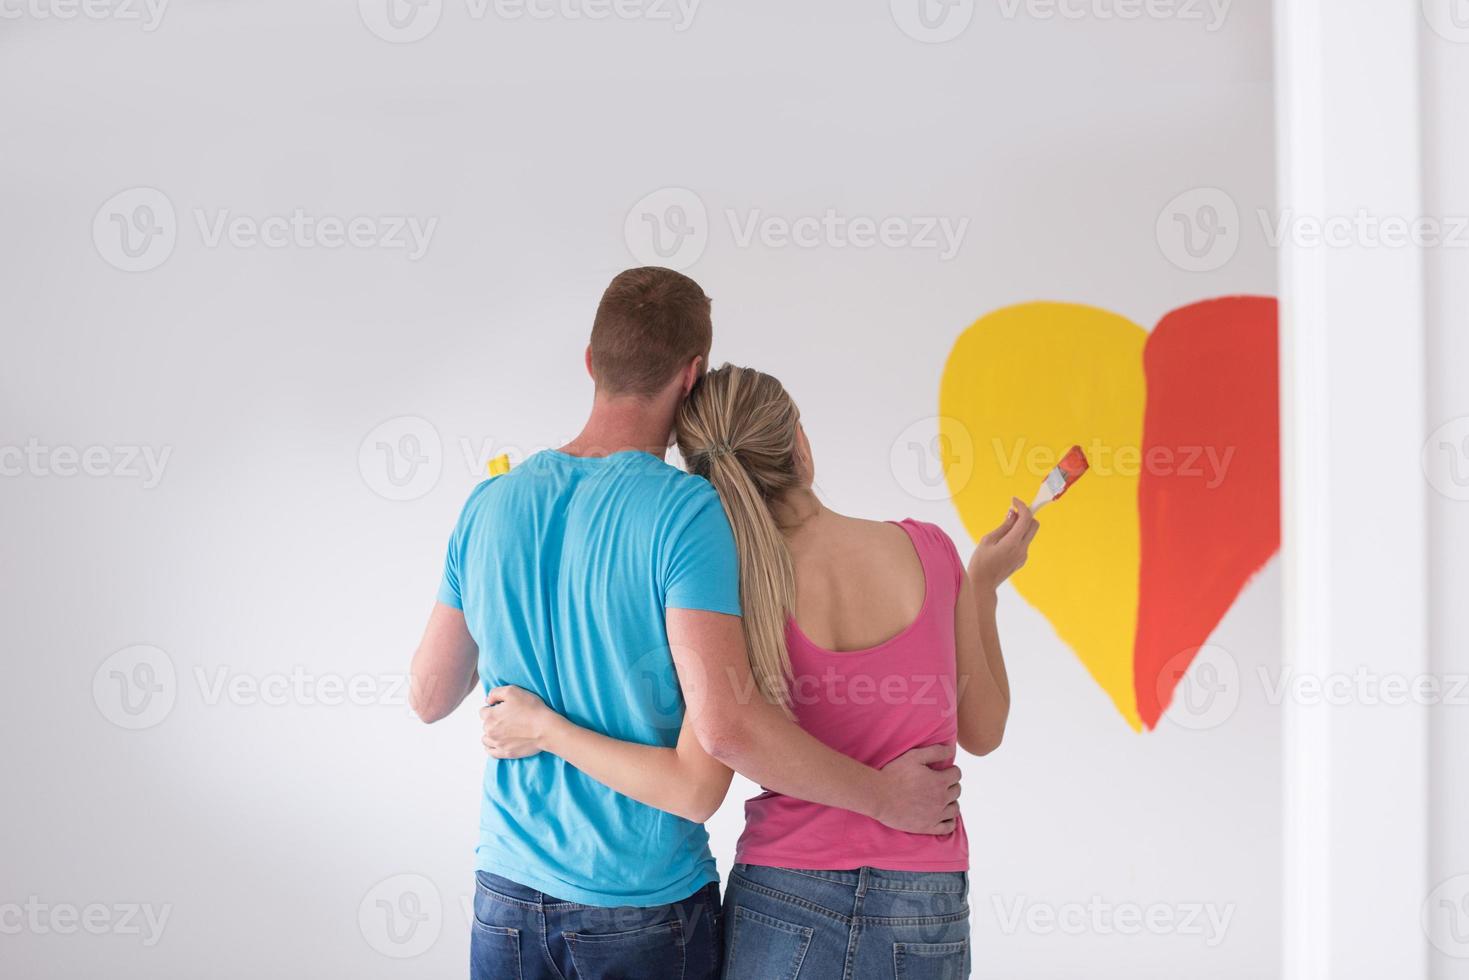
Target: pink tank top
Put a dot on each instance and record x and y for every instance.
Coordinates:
(872, 705)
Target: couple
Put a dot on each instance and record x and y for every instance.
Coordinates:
(642, 631)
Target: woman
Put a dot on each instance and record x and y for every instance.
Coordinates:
(877, 641)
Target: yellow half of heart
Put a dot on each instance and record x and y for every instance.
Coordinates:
(1021, 386)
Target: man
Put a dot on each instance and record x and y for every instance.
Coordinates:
(606, 582)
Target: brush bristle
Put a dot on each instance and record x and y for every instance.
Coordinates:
(1074, 464)
(1067, 472)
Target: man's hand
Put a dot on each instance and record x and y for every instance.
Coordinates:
(916, 798)
(516, 723)
(1003, 551)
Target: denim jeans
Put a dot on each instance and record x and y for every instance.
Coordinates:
(522, 934)
(781, 924)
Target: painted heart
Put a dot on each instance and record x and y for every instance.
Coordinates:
(1139, 562)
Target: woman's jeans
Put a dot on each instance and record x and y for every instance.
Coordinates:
(522, 934)
(781, 924)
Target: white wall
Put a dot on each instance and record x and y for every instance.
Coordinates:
(1446, 192)
(1349, 151)
(1377, 866)
(266, 550)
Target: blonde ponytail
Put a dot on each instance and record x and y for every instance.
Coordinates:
(738, 430)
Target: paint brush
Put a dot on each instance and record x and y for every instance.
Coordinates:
(1059, 480)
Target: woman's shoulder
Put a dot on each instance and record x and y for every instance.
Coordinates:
(927, 531)
(935, 544)
(897, 532)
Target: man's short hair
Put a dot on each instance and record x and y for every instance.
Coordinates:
(650, 323)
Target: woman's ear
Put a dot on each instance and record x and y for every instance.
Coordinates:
(805, 464)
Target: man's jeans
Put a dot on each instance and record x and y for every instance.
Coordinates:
(522, 934)
(846, 925)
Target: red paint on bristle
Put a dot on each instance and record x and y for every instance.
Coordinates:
(1072, 466)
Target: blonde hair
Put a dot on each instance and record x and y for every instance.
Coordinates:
(738, 429)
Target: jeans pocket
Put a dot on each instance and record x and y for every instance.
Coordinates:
(931, 961)
(652, 951)
(494, 952)
(764, 948)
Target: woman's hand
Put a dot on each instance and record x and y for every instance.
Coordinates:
(1003, 551)
(516, 723)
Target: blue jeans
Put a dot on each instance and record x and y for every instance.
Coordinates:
(781, 924)
(522, 934)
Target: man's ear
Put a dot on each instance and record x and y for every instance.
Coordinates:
(691, 375)
(590, 373)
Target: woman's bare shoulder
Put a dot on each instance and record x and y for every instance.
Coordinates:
(882, 537)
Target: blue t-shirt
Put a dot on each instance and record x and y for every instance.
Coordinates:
(564, 568)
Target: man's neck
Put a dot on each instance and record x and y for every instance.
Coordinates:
(623, 423)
